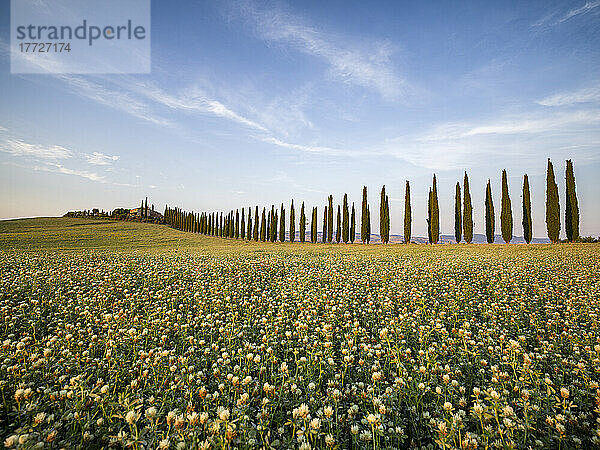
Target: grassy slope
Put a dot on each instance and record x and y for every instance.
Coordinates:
(66, 234)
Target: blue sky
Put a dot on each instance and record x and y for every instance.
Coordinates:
(257, 103)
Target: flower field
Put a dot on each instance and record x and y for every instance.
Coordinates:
(396, 347)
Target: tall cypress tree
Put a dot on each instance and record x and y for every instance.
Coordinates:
(368, 224)
(435, 213)
(506, 219)
(467, 211)
(527, 225)
(324, 235)
(249, 231)
(352, 225)
(256, 231)
(275, 221)
(282, 225)
(572, 206)
(292, 223)
(364, 216)
(330, 220)
(338, 230)
(457, 214)
(243, 225)
(552, 205)
(345, 221)
(263, 226)
(384, 219)
(489, 214)
(429, 217)
(302, 224)
(407, 214)
(237, 224)
(313, 226)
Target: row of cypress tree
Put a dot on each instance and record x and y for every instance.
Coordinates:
(270, 225)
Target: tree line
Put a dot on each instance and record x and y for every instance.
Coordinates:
(339, 221)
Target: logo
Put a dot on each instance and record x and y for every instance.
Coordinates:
(80, 36)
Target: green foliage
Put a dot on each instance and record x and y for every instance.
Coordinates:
(338, 229)
(263, 226)
(330, 219)
(407, 214)
(572, 206)
(457, 214)
(489, 214)
(302, 224)
(352, 225)
(527, 225)
(384, 217)
(364, 221)
(345, 221)
(324, 233)
(552, 205)
(506, 218)
(467, 211)
(293, 221)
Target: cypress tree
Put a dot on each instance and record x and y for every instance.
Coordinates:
(506, 219)
(527, 228)
(282, 225)
(142, 210)
(256, 230)
(222, 230)
(302, 224)
(324, 234)
(383, 218)
(467, 211)
(352, 225)
(552, 205)
(274, 224)
(457, 214)
(330, 220)
(338, 230)
(345, 221)
(292, 223)
(368, 224)
(243, 225)
(489, 214)
(313, 226)
(572, 206)
(249, 231)
(429, 217)
(407, 214)
(435, 213)
(263, 226)
(364, 216)
(237, 223)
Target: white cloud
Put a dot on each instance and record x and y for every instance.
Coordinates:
(551, 19)
(589, 6)
(585, 95)
(368, 66)
(100, 159)
(17, 147)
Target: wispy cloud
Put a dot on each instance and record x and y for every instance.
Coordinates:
(17, 147)
(49, 158)
(585, 95)
(556, 17)
(589, 6)
(100, 159)
(192, 99)
(366, 65)
(521, 138)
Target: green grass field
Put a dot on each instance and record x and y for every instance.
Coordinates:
(137, 335)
